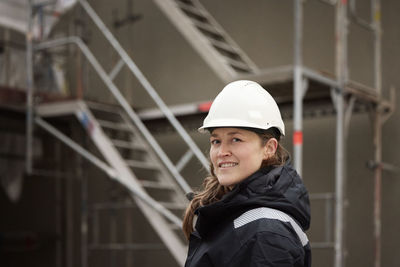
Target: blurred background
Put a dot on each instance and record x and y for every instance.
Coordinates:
(100, 102)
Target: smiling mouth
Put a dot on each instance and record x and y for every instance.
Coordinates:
(227, 165)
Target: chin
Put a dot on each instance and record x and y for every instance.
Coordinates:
(224, 182)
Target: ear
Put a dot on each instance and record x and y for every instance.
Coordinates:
(270, 148)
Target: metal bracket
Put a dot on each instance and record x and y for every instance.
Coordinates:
(349, 105)
(334, 92)
(371, 164)
(348, 111)
(383, 108)
(392, 105)
(304, 88)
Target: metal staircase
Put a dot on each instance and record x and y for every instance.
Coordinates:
(208, 38)
(132, 162)
(131, 154)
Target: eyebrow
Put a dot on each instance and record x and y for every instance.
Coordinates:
(230, 133)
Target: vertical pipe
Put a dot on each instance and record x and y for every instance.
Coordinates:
(7, 59)
(112, 215)
(69, 216)
(297, 87)
(342, 76)
(79, 71)
(128, 232)
(377, 188)
(113, 235)
(328, 219)
(96, 226)
(58, 201)
(84, 214)
(376, 13)
(339, 182)
(29, 93)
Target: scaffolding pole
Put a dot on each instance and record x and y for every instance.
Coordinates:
(376, 22)
(29, 93)
(298, 87)
(340, 172)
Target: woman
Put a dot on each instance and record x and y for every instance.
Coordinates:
(254, 208)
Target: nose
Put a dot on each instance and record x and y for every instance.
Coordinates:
(224, 150)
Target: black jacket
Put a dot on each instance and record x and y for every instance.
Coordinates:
(259, 223)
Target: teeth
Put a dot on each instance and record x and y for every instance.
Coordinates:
(226, 165)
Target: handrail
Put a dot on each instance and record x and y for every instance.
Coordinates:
(145, 83)
(119, 97)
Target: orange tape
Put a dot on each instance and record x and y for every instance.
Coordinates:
(298, 138)
(203, 107)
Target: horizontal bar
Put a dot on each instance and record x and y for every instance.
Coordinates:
(371, 164)
(127, 246)
(322, 245)
(321, 196)
(320, 78)
(111, 205)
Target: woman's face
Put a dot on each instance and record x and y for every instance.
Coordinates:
(236, 154)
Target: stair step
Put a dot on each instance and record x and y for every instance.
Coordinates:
(157, 185)
(238, 65)
(126, 144)
(187, 2)
(223, 46)
(104, 107)
(197, 13)
(208, 28)
(142, 164)
(114, 125)
(127, 246)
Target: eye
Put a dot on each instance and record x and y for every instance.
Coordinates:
(214, 141)
(236, 140)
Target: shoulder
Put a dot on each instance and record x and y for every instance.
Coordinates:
(268, 221)
(269, 236)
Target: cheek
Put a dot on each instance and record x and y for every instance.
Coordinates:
(212, 155)
(259, 155)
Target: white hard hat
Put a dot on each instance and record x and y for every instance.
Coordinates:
(244, 104)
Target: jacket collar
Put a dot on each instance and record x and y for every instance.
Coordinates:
(278, 187)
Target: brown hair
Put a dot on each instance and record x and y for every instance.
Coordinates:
(213, 191)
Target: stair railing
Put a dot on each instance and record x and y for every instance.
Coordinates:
(108, 80)
(120, 98)
(144, 82)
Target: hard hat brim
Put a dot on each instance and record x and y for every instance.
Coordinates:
(226, 123)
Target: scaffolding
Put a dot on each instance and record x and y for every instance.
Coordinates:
(230, 63)
(308, 87)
